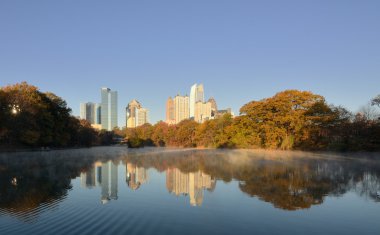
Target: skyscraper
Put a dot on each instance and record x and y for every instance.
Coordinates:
(181, 107)
(170, 111)
(91, 112)
(202, 111)
(196, 94)
(136, 114)
(214, 107)
(108, 109)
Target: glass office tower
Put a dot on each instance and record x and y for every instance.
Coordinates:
(108, 109)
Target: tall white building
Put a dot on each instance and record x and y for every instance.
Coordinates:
(196, 95)
(181, 107)
(108, 109)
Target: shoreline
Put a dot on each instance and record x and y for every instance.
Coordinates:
(323, 152)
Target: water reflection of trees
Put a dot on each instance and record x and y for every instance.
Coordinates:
(287, 180)
(31, 180)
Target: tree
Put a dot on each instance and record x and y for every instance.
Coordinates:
(376, 101)
(160, 134)
(368, 111)
(5, 113)
(185, 133)
(279, 121)
(34, 118)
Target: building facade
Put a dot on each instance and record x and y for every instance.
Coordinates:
(181, 107)
(192, 107)
(90, 112)
(202, 111)
(196, 95)
(170, 111)
(108, 109)
(214, 106)
(136, 114)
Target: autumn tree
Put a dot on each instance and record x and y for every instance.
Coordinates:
(185, 133)
(280, 121)
(160, 134)
(213, 133)
(34, 118)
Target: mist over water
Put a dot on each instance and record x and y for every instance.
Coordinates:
(116, 190)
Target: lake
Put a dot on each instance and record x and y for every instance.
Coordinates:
(115, 190)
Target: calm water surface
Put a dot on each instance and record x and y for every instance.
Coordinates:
(113, 190)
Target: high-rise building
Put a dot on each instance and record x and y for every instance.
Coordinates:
(214, 107)
(170, 111)
(202, 111)
(194, 107)
(91, 112)
(108, 109)
(181, 107)
(136, 115)
(196, 95)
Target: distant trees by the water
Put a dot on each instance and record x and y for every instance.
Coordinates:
(290, 119)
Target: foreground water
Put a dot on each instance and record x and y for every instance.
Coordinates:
(114, 190)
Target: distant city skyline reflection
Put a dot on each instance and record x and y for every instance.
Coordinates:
(287, 180)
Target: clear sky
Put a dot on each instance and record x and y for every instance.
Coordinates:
(150, 50)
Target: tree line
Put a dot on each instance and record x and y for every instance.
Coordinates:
(289, 120)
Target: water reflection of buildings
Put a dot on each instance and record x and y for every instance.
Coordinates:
(136, 176)
(104, 175)
(191, 184)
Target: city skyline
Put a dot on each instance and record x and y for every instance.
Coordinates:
(246, 51)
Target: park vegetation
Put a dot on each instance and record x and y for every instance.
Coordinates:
(30, 118)
(289, 120)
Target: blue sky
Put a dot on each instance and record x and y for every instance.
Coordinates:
(150, 50)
